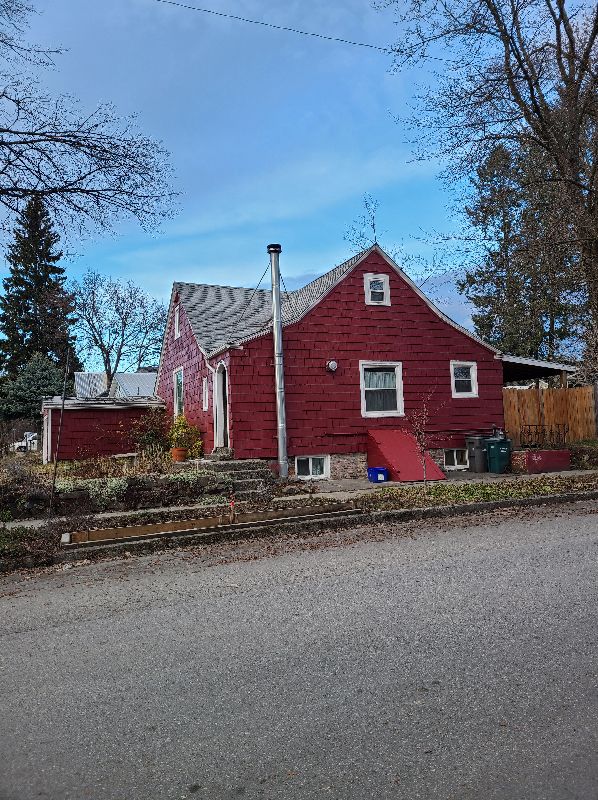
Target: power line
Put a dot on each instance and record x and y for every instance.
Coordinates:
(276, 27)
(288, 294)
(248, 303)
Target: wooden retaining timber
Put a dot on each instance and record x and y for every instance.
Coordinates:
(310, 524)
(241, 521)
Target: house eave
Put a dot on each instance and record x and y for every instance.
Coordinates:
(104, 404)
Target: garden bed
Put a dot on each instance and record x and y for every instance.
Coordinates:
(25, 489)
(27, 547)
(447, 494)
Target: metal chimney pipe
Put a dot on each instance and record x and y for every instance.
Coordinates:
(283, 462)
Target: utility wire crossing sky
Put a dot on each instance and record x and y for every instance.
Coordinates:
(276, 27)
(272, 138)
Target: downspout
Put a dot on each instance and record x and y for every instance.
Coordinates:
(283, 462)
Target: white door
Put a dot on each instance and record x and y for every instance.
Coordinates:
(221, 407)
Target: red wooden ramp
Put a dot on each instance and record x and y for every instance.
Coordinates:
(397, 451)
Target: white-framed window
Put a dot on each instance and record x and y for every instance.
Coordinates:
(464, 378)
(381, 388)
(204, 394)
(178, 392)
(308, 467)
(456, 458)
(177, 321)
(377, 289)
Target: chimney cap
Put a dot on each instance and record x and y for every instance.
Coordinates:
(274, 248)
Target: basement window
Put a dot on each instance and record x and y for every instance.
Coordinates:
(307, 467)
(464, 378)
(456, 458)
(377, 290)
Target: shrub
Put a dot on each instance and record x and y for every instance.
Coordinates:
(153, 461)
(99, 467)
(103, 492)
(151, 430)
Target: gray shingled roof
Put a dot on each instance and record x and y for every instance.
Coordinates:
(221, 316)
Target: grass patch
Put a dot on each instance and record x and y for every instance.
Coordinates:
(447, 494)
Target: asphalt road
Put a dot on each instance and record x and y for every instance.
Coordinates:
(458, 661)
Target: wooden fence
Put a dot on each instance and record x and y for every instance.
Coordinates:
(575, 408)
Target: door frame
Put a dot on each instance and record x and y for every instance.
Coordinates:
(221, 401)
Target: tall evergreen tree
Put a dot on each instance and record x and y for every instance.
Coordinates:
(22, 397)
(525, 283)
(36, 309)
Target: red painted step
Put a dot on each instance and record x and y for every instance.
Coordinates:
(397, 451)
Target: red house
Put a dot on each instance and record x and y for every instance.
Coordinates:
(363, 350)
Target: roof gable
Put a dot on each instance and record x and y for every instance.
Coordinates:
(224, 316)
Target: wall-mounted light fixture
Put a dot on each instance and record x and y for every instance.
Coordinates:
(332, 366)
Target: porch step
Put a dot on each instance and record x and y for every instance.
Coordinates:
(252, 495)
(245, 465)
(249, 482)
(252, 479)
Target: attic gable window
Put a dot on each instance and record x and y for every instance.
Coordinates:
(377, 289)
(381, 388)
(464, 378)
(177, 325)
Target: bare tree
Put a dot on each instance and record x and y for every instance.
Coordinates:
(90, 168)
(363, 232)
(118, 324)
(418, 420)
(520, 73)
(14, 16)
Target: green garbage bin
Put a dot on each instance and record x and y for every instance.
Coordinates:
(499, 454)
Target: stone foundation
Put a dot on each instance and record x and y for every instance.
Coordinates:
(350, 465)
(437, 455)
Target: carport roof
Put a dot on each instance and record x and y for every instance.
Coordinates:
(516, 368)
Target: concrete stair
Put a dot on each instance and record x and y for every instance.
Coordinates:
(251, 479)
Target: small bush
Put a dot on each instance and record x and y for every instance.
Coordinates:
(153, 460)
(99, 467)
(103, 492)
(584, 455)
(183, 434)
(151, 430)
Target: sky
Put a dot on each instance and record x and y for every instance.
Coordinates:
(273, 137)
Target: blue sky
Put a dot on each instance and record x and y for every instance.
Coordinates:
(273, 136)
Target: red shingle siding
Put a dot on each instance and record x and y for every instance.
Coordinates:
(184, 352)
(323, 408)
(93, 432)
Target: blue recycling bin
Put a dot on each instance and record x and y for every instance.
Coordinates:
(377, 474)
